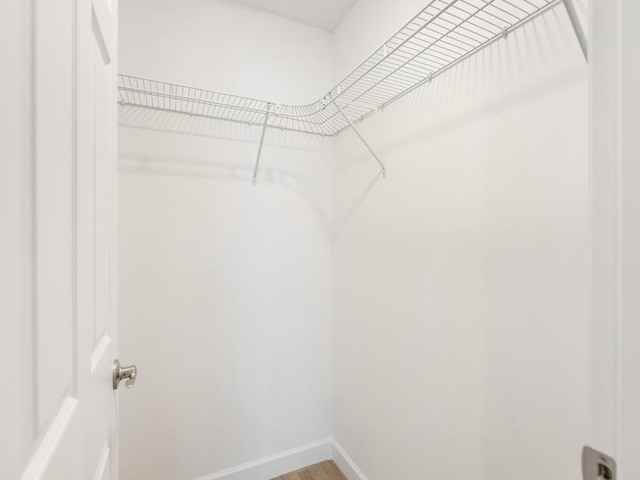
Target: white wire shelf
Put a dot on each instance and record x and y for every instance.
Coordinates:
(439, 36)
(442, 34)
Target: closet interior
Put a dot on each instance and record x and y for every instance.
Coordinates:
(378, 262)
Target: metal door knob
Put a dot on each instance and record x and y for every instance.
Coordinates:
(124, 373)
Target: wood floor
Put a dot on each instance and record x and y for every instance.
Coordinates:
(321, 471)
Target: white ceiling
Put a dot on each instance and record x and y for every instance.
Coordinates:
(324, 14)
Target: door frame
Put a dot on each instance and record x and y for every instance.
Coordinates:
(614, 386)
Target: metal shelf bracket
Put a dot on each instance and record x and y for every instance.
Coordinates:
(353, 127)
(577, 27)
(254, 179)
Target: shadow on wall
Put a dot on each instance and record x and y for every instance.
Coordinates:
(155, 142)
(233, 282)
(507, 73)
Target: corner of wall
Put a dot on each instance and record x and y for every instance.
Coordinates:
(345, 462)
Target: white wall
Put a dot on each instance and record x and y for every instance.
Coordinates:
(460, 281)
(224, 46)
(225, 288)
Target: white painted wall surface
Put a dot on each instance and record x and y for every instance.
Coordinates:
(225, 46)
(225, 288)
(460, 282)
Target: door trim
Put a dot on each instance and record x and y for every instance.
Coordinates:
(614, 390)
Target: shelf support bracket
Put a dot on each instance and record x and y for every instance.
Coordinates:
(577, 27)
(384, 170)
(254, 179)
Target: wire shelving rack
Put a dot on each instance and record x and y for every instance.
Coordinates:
(442, 34)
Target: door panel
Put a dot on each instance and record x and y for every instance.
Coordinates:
(62, 192)
(53, 234)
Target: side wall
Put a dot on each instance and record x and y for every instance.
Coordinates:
(224, 46)
(225, 288)
(460, 334)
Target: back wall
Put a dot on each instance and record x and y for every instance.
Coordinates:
(225, 288)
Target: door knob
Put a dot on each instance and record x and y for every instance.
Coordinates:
(124, 373)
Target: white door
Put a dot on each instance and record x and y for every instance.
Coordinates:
(58, 289)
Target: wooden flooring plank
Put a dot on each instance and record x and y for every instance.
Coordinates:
(333, 471)
(316, 472)
(327, 470)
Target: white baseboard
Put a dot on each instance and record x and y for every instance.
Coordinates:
(345, 462)
(277, 464)
(290, 460)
